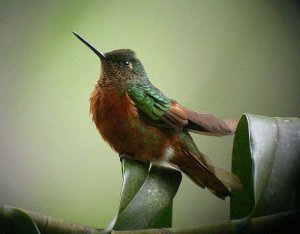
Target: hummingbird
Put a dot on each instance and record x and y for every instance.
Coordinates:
(141, 123)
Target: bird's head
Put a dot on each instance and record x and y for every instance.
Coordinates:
(119, 68)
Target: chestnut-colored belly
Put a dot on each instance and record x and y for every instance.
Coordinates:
(120, 125)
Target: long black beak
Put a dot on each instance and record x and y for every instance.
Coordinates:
(97, 52)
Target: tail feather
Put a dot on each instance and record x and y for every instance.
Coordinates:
(218, 181)
(229, 179)
(200, 173)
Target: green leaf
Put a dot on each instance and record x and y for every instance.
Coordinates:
(276, 223)
(266, 158)
(134, 175)
(14, 220)
(146, 196)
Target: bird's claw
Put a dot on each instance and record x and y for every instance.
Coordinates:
(122, 156)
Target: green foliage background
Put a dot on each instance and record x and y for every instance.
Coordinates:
(224, 57)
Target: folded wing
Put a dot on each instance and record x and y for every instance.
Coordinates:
(199, 122)
(161, 111)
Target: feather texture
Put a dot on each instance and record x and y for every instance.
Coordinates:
(137, 119)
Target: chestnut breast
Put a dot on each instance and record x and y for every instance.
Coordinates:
(119, 123)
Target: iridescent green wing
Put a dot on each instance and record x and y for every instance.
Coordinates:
(165, 112)
(150, 101)
(156, 108)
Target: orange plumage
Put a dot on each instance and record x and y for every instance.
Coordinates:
(118, 122)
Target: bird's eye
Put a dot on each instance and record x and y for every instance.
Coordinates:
(125, 64)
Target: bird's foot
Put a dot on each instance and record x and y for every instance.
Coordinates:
(123, 156)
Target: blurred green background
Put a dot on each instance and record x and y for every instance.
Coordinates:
(223, 57)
